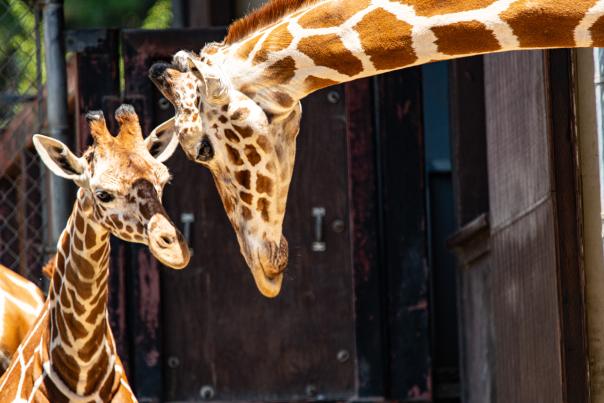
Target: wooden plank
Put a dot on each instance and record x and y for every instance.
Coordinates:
(524, 301)
(567, 196)
(97, 87)
(468, 138)
(366, 253)
(404, 235)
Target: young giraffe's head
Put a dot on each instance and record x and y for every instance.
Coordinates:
(121, 180)
(249, 151)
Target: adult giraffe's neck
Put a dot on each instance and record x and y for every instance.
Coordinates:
(334, 41)
(81, 349)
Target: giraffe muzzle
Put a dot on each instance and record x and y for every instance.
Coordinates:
(167, 243)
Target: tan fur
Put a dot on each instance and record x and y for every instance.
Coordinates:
(263, 17)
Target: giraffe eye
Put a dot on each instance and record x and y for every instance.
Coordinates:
(103, 196)
(205, 152)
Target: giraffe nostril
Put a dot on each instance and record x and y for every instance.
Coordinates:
(165, 240)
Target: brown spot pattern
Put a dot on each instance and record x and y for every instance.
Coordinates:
(264, 144)
(331, 14)
(264, 184)
(240, 113)
(277, 40)
(329, 51)
(246, 197)
(251, 154)
(390, 46)
(597, 33)
(246, 213)
(234, 156)
(546, 24)
(262, 206)
(283, 99)
(231, 136)
(281, 71)
(465, 37)
(244, 131)
(429, 8)
(312, 83)
(243, 177)
(90, 238)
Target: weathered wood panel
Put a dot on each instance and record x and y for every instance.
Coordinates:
(406, 280)
(536, 280)
(218, 331)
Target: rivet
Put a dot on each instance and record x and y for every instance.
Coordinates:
(343, 355)
(333, 97)
(206, 392)
(163, 103)
(173, 361)
(337, 226)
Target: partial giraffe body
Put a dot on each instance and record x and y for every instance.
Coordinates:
(237, 102)
(70, 354)
(20, 303)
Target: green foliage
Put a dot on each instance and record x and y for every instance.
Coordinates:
(159, 15)
(106, 13)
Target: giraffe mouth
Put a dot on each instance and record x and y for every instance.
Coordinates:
(166, 243)
(269, 267)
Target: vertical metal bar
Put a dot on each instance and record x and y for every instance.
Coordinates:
(56, 109)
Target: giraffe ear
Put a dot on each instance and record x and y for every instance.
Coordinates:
(216, 90)
(59, 159)
(162, 141)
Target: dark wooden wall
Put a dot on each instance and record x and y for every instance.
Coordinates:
(351, 322)
(521, 275)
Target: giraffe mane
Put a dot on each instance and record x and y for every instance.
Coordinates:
(262, 17)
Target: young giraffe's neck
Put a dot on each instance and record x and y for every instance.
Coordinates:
(334, 41)
(81, 350)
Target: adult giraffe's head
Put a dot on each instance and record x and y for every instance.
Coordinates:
(249, 150)
(121, 180)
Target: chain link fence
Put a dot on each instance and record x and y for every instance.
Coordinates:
(22, 179)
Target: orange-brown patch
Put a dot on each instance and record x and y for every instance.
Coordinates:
(465, 37)
(331, 14)
(70, 369)
(262, 206)
(223, 119)
(283, 99)
(546, 24)
(429, 8)
(244, 132)
(329, 51)
(90, 238)
(77, 242)
(313, 83)
(390, 46)
(264, 184)
(246, 48)
(597, 33)
(246, 197)
(231, 135)
(251, 154)
(263, 17)
(243, 177)
(234, 156)
(240, 113)
(246, 213)
(270, 166)
(79, 222)
(280, 72)
(278, 39)
(263, 142)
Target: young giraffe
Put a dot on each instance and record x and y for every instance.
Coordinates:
(69, 355)
(241, 117)
(20, 303)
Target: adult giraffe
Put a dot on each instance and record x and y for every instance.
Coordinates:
(240, 118)
(20, 303)
(69, 355)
